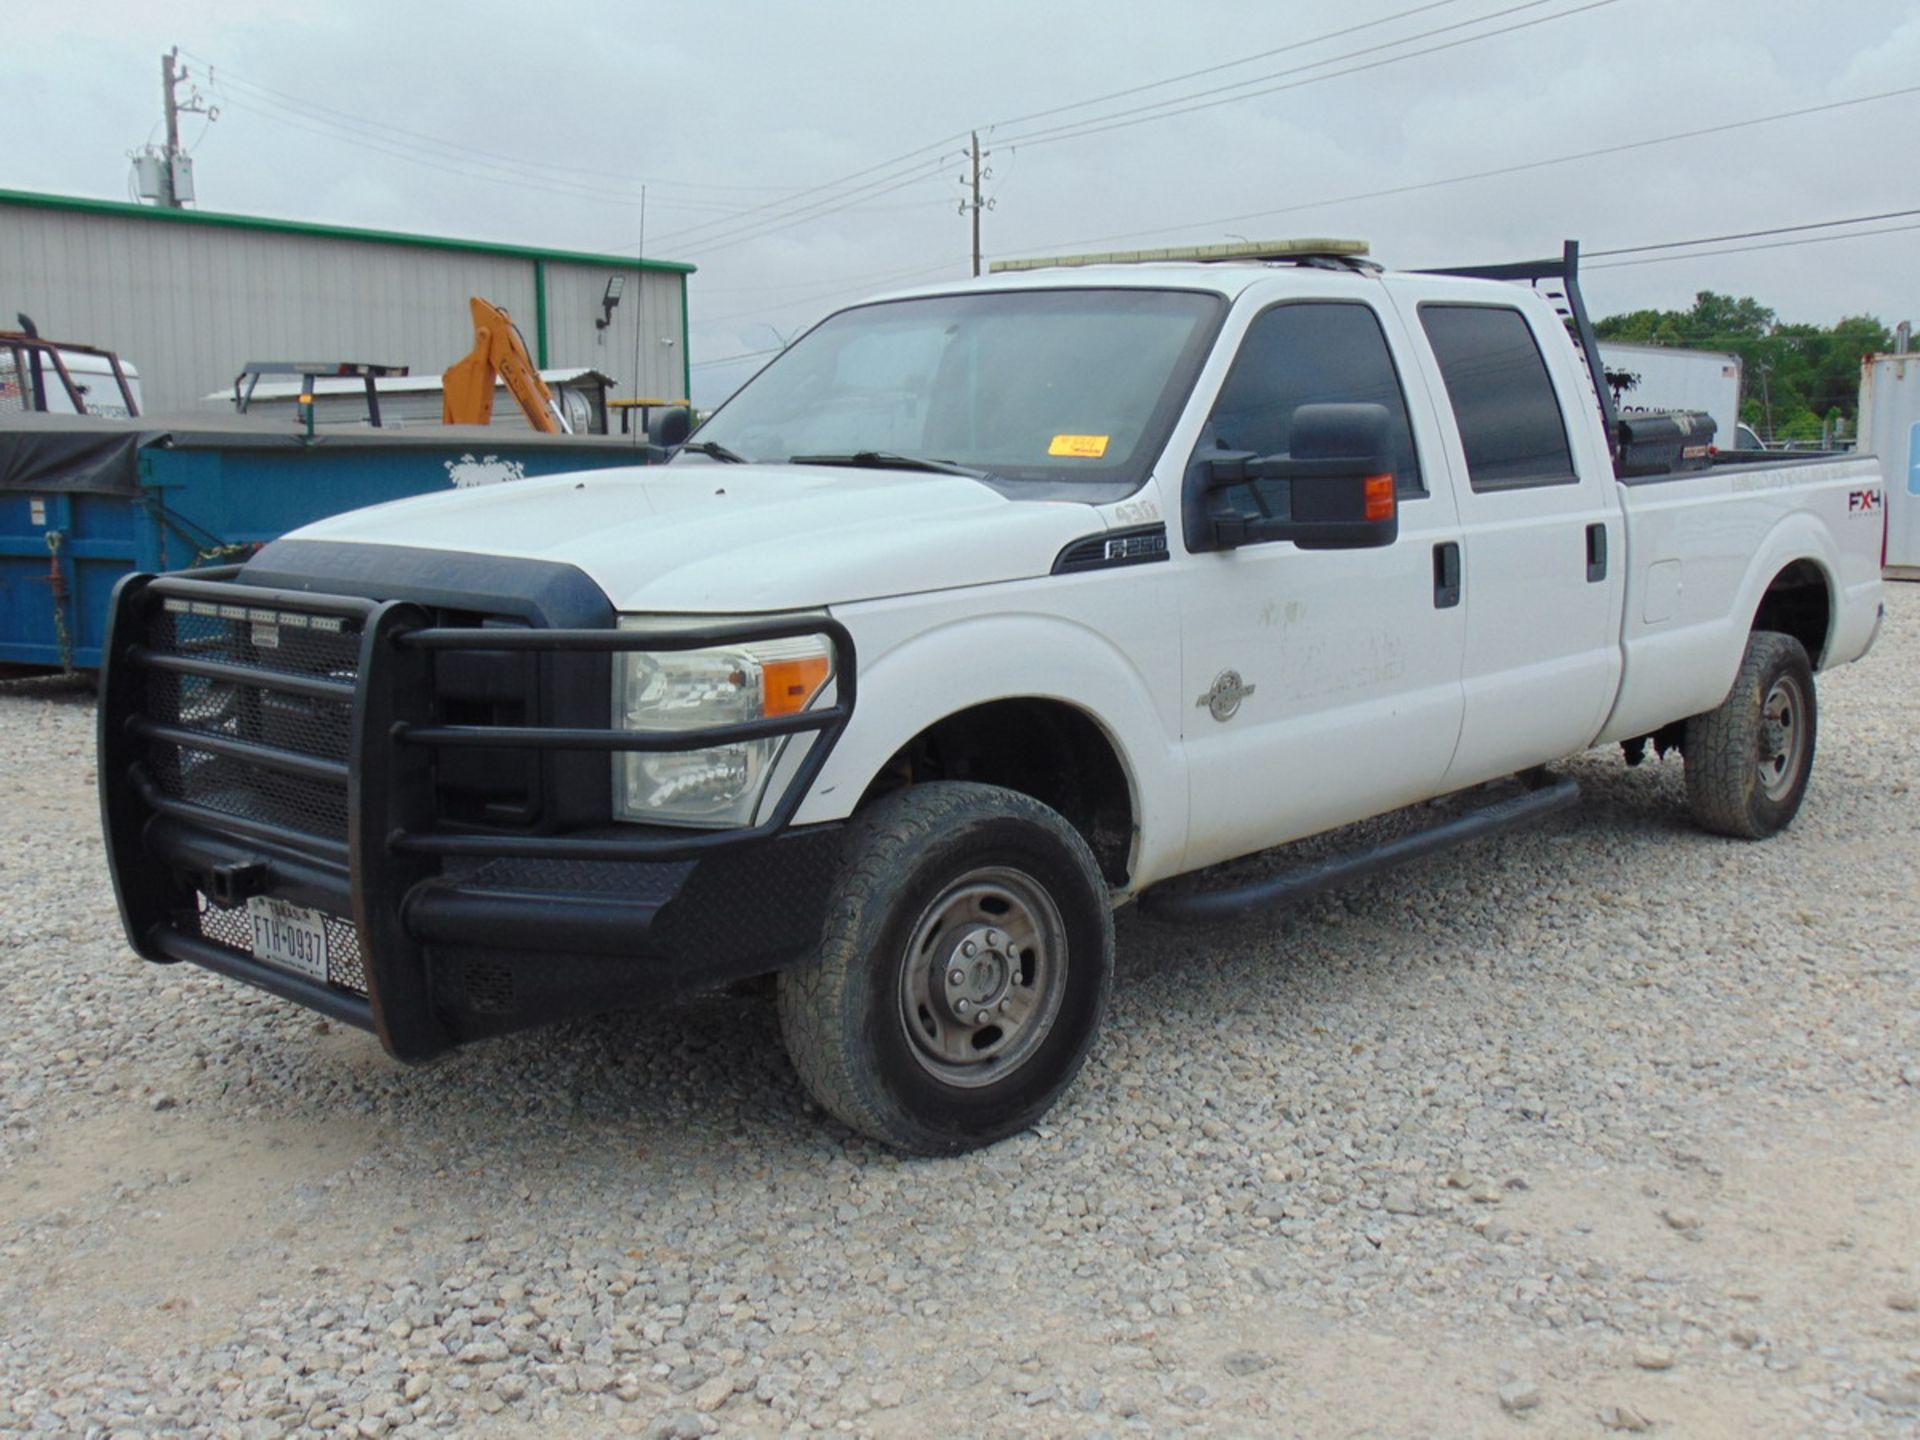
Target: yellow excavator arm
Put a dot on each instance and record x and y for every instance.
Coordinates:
(498, 354)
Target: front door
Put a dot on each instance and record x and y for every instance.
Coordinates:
(1320, 685)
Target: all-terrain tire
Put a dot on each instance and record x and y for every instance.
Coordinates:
(962, 972)
(1749, 760)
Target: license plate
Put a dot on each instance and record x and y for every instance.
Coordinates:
(289, 935)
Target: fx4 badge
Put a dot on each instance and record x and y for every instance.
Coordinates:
(1863, 502)
(1223, 700)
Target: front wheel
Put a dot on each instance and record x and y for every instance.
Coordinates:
(1749, 760)
(962, 972)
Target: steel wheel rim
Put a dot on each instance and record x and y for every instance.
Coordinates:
(1783, 737)
(982, 977)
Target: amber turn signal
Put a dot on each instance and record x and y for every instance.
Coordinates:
(1380, 497)
(791, 684)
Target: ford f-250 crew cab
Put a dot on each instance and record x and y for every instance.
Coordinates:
(981, 610)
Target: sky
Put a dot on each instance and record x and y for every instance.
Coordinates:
(806, 155)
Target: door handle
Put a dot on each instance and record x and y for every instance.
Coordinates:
(1446, 575)
(1596, 552)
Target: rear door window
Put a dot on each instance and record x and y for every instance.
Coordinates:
(1510, 422)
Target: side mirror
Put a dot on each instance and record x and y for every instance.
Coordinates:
(670, 427)
(1334, 490)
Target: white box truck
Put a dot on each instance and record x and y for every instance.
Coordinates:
(1669, 378)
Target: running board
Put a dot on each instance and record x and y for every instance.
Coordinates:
(1531, 804)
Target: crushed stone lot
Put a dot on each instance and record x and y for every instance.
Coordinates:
(1606, 1126)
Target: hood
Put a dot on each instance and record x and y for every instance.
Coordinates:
(709, 538)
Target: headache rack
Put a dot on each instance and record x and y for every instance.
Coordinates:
(1558, 282)
(34, 362)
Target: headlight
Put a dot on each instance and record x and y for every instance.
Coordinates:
(721, 785)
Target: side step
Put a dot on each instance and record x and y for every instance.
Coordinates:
(1541, 798)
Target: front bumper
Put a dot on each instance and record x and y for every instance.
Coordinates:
(438, 931)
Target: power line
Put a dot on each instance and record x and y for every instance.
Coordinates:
(813, 210)
(732, 359)
(465, 170)
(867, 286)
(1490, 174)
(1618, 264)
(819, 209)
(353, 130)
(1753, 234)
(862, 278)
(1034, 135)
(459, 169)
(1748, 249)
(386, 131)
(892, 164)
(1223, 65)
(1126, 118)
(472, 163)
(795, 207)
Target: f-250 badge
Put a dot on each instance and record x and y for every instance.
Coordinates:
(1223, 700)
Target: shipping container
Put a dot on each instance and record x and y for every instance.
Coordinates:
(1890, 429)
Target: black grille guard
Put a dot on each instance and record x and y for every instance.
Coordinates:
(393, 840)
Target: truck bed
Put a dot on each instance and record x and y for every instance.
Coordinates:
(1703, 547)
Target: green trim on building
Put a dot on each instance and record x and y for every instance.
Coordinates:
(540, 313)
(161, 215)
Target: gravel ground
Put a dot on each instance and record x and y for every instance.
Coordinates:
(1604, 1126)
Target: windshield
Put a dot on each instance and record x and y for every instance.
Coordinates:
(1077, 386)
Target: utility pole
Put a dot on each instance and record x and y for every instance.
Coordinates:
(976, 204)
(172, 105)
(172, 74)
(168, 80)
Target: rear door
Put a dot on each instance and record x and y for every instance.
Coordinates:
(1320, 686)
(1542, 538)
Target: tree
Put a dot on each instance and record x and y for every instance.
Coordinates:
(1798, 378)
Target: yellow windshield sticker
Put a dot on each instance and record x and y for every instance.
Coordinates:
(1081, 447)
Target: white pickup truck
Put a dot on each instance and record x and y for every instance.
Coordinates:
(982, 610)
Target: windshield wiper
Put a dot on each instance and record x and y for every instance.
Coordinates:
(886, 460)
(714, 450)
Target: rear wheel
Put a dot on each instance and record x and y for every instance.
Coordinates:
(1749, 760)
(962, 973)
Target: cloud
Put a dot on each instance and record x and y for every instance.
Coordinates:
(732, 110)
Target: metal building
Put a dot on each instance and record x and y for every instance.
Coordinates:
(189, 296)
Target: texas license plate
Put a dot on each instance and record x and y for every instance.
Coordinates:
(289, 935)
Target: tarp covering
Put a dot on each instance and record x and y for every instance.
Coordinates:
(47, 453)
(85, 453)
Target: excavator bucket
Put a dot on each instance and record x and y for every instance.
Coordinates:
(498, 354)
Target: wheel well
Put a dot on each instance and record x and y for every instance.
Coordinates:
(1042, 748)
(1797, 603)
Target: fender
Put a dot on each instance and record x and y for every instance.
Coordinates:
(1670, 675)
(911, 682)
(1798, 536)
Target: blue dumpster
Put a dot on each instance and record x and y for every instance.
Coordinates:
(84, 501)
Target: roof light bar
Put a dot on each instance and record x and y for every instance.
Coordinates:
(1250, 250)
